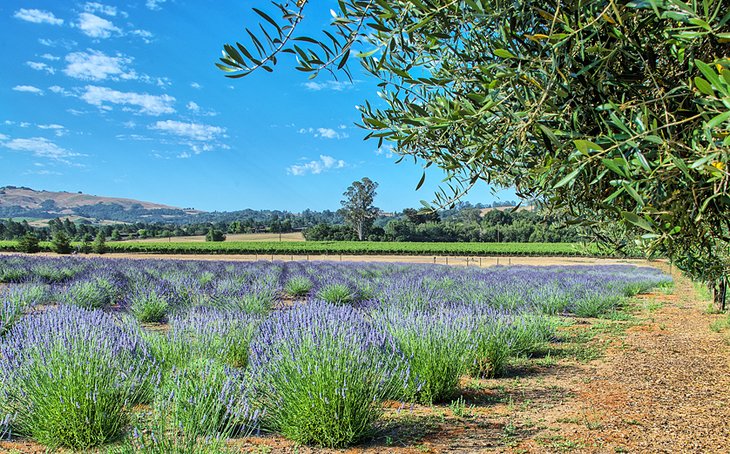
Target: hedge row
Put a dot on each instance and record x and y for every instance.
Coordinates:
(342, 247)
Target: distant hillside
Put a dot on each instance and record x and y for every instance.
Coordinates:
(22, 202)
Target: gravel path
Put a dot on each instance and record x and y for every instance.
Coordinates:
(668, 388)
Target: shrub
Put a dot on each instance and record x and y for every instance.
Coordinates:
(149, 306)
(99, 246)
(15, 301)
(61, 244)
(29, 243)
(594, 305)
(322, 372)
(71, 377)
(337, 294)
(208, 333)
(10, 313)
(494, 344)
(206, 398)
(93, 294)
(437, 340)
(298, 286)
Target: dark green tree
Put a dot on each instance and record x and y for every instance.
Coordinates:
(357, 206)
(86, 246)
(61, 244)
(28, 243)
(215, 235)
(99, 245)
(609, 111)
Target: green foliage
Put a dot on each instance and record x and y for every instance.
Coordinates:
(28, 244)
(149, 307)
(197, 409)
(215, 235)
(336, 293)
(93, 294)
(61, 244)
(86, 245)
(298, 286)
(357, 247)
(608, 111)
(357, 206)
(99, 245)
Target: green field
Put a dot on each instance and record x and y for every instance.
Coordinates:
(343, 247)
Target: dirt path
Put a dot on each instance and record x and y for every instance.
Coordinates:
(664, 386)
(668, 389)
(482, 262)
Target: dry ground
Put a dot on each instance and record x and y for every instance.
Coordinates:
(482, 262)
(655, 379)
(293, 236)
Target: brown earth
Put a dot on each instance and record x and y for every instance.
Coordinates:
(655, 381)
(482, 262)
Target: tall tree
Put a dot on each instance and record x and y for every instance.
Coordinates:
(357, 206)
(609, 110)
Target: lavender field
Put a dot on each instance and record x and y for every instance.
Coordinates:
(181, 356)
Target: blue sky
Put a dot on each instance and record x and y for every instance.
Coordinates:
(123, 99)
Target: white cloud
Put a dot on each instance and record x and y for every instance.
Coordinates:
(324, 164)
(154, 4)
(146, 103)
(59, 90)
(40, 147)
(41, 172)
(28, 89)
(65, 43)
(95, 65)
(193, 107)
(144, 34)
(50, 57)
(324, 133)
(40, 66)
(96, 27)
(387, 151)
(334, 85)
(37, 16)
(93, 7)
(192, 131)
(58, 130)
(196, 85)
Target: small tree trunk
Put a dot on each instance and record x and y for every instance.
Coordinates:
(719, 293)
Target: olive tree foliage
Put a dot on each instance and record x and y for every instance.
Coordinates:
(357, 206)
(607, 109)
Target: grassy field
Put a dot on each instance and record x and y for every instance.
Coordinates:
(230, 237)
(341, 247)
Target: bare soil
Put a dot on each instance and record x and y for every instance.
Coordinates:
(481, 262)
(657, 380)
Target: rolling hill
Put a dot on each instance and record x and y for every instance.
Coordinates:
(27, 203)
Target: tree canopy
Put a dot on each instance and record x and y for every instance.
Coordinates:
(609, 110)
(357, 206)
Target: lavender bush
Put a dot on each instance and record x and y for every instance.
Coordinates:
(321, 373)
(14, 302)
(205, 333)
(200, 406)
(71, 376)
(149, 305)
(437, 340)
